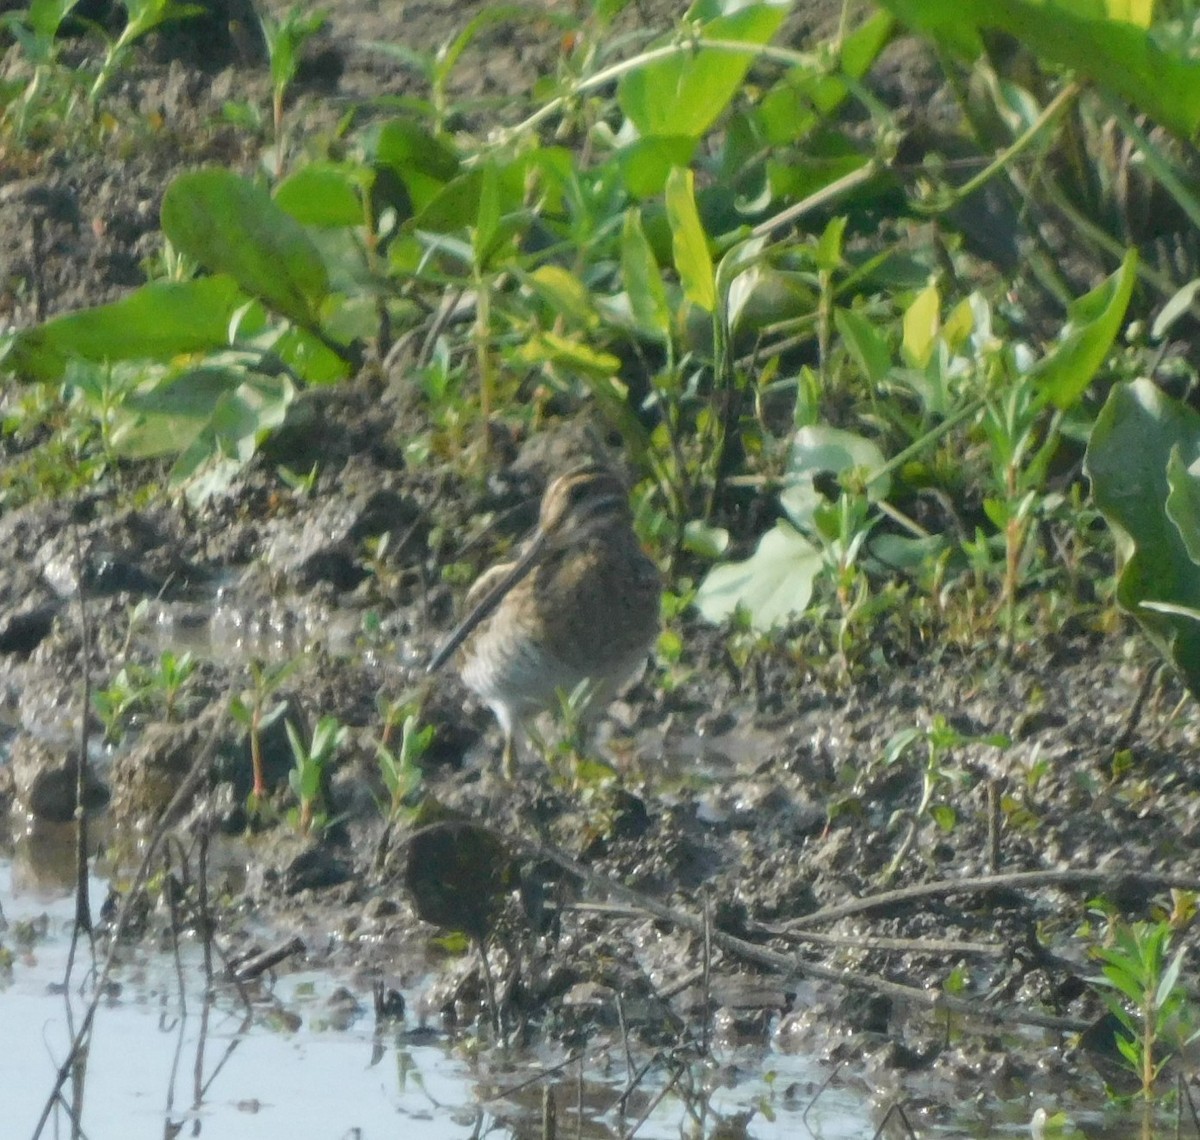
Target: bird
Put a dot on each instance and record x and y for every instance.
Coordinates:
(580, 602)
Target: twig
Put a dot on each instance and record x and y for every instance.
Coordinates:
(186, 790)
(655, 1101)
(994, 825)
(706, 1009)
(1125, 736)
(791, 966)
(1117, 881)
(896, 1109)
(829, 1079)
(259, 964)
(938, 946)
(83, 908)
(508, 1090)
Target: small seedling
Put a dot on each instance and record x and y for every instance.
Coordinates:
(250, 709)
(1144, 992)
(170, 677)
(940, 740)
(308, 771)
(401, 771)
(285, 39)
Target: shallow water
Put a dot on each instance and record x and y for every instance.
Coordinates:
(161, 1064)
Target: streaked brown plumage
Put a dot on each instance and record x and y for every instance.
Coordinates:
(580, 602)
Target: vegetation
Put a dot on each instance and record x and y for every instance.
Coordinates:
(751, 265)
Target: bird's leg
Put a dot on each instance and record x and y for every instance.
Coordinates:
(508, 760)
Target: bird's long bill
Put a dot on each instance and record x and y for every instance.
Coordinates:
(489, 602)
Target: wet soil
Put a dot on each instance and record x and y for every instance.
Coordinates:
(754, 793)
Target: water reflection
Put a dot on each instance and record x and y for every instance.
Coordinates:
(300, 1056)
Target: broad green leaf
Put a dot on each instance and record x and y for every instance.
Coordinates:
(1183, 502)
(1092, 327)
(231, 226)
(866, 345)
(45, 16)
(645, 164)
(230, 437)
(165, 420)
(686, 92)
(1119, 57)
(643, 280)
(1138, 431)
(425, 164)
(862, 46)
(156, 322)
(325, 194)
(774, 585)
(487, 217)
(693, 261)
(737, 278)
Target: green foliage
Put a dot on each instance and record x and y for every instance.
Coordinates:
(251, 710)
(670, 275)
(143, 689)
(308, 774)
(401, 770)
(1145, 993)
(939, 776)
(285, 39)
(142, 16)
(1141, 460)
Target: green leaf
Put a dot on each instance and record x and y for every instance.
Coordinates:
(645, 164)
(45, 16)
(774, 585)
(1170, 978)
(944, 816)
(169, 416)
(566, 294)
(231, 226)
(487, 217)
(229, 438)
(684, 93)
(866, 345)
(643, 280)
(1092, 327)
(1137, 432)
(704, 539)
(325, 194)
(828, 253)
(424, 163)
(1183, 502)
(156, 322)
(689, 243)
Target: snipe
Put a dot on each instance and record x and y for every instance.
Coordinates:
(580, 602)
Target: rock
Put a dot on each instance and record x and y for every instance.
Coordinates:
(44, 781)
